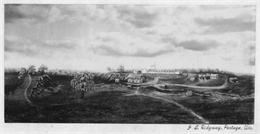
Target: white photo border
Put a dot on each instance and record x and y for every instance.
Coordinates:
(123, 128)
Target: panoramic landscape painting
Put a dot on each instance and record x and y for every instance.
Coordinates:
(132, 64)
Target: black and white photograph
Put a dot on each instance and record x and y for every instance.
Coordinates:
(130, 64)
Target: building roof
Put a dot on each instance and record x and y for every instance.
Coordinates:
(135, 76)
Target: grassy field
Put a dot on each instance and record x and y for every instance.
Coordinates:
(218, 82)
(111, 103)
(11, 82)
(223, 112)
(102, 106)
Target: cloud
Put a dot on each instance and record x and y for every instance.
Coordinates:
(227, 58)
(171, 40)
(12, 13)
(73, 13)
(252, 62)
(117, 44)
(149, 32)
(138, 16)
(216, 7)
(110, 51)
(60, 44)
(21, 46)
(27, 47)
(26, 13)
(223, 7)
(35, 14)
(250, 53)
(70, 13)
(224, 25)
(198, 45)
(6, 57)
(194, 45)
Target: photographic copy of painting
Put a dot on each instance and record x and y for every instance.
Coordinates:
(191, 65)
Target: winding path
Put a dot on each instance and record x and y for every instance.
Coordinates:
(28, 85)
(175, 103)
(199, 87)
(150, 83)
(21, 93)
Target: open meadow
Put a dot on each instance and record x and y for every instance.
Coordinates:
(118, 103)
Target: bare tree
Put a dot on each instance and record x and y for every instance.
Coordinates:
(109, 69)
(22, 72)
(121, 69)
(42, 69)
(31, 69)
(83, 83)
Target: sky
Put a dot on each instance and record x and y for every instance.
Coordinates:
(95, 37)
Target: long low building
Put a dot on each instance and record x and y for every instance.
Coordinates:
(208, 76)
(135, 78)
(153, 71)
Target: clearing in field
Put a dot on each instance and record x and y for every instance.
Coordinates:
(179, 101)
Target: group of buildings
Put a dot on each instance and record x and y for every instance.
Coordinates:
(208, 76)
(205, 76)
(137, 76)
(156, 71)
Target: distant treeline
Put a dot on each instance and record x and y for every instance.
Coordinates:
(76, 72)
(50, 72)
(12, 70)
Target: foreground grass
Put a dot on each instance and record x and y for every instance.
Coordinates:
(101, 107)
(11, 82)
(223, 112)
(108, 104)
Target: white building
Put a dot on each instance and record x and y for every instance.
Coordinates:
(177, 72)
(144, 71)
(213, 76)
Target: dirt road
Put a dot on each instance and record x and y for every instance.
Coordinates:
(199, 87)
(150, 83)
(155, 81)
(175, 103)
(21, 93)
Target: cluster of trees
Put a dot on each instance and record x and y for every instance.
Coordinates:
(41, 70)
(64, 72)
(111, 77)
(208, 70)
(12, 70)
(120, 69)
(83, 82)
(31, 69)
(44, 84)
